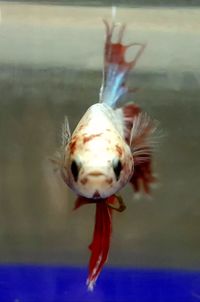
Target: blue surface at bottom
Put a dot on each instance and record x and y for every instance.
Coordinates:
(29, 283)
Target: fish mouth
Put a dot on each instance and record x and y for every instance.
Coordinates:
(95, 173)
(96, 195)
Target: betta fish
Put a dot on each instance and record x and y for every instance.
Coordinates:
(111, 146)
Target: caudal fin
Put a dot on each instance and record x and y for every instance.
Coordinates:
(116, 68)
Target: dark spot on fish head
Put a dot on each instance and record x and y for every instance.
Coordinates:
(72, 145)
(119, 150)
(81, 127)
(84, 181)
(109, 181)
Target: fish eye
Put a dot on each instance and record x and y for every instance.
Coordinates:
(117, 167)
(74, 170)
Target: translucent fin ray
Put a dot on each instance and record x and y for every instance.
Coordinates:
(66, 133)
(142, 136)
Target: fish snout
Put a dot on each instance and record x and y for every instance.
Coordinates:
(95, 184)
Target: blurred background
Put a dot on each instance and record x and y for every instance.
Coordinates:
(51, 55)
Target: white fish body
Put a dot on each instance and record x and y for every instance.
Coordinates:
(98, 148)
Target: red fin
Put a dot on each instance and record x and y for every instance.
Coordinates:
(143, 177)
(101, 240)
(116, 68)
(80, 201)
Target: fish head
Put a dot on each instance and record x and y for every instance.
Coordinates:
(97, 167)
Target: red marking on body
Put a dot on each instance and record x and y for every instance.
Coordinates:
(119, 150)
(81, 127)
(109, 181)
(72, 145)
(86, 139)
(84, 180)
(101, 236)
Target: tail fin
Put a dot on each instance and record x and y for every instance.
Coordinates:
(116, 68)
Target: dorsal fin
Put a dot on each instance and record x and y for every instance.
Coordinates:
(116, 68)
